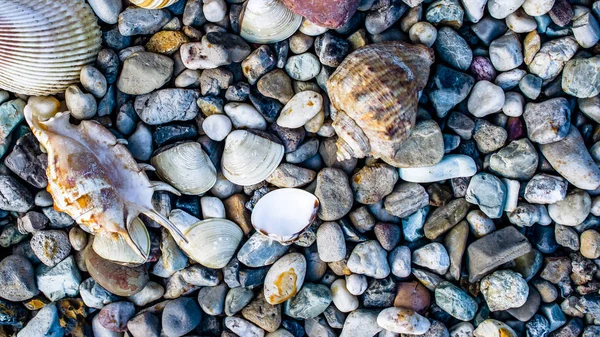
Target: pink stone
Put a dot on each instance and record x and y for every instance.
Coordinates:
(115, 316)
(326, 13)
(561, 13)
(482, 69)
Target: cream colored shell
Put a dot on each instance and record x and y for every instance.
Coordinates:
(268, 21)
(45, 43)
(153, 4)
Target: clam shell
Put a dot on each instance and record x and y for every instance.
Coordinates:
(114, 247)
(45, 43)
(268, 21)
(284, 213)
(153, 4)
(249, 158)
(186, 167)
(211, 242)
(375, 90)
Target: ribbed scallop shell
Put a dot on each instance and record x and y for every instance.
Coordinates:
(375, 91)
(45, 43)
(186, 167)
(268, 21)
(153, 4)
(249, 158)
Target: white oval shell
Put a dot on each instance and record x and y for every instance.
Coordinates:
(284, 213)
(186, 167)
(451, 166)
(249, 158)
(268, 21)
(45, 43)
(153, 4)
(113, 247)
(212, 242)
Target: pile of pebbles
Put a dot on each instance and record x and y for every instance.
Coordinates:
(510, 248)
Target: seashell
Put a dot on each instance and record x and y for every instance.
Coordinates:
(153, 4)
(186, 167)
(93, 178)
(44, 44)
(284, 213)
(375, 90)
(451, 166)
(267, 21)
(114, 247)
(249, 157)
(211, 242)
(326, 13)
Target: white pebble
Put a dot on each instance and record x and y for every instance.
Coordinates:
(217, 127)
(537, 7)
(545, 219)
(244, 115)
(500, 9)
(474, 9)
(401, 320)
(81, 106)
(595, 210)
(479, 223)
(512, 194)
(212, 208)
(342, 298)
(423, 32)
(214, 10)
(451, 166)
(520, 22)
(44, 107)
(188, 78)
(356, 284)
(93, 81)
(513, 104)
(311, 29)
(585, 27)
(300, 109)
(486, 98)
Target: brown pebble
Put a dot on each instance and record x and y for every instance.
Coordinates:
(235, 210)
(590, 244)
(166, 42)
(412, 295)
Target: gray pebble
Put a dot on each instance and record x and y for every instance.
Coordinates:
(453, 49)
(45, 323)
(59, 281)
(487, 191)
(51, 246)
(141, 21)
(260, 251)
(81, 106)
(14, 196)
(370, 259)
(167, 105)
(406, 199)
(488, 136)
(330, 242)
(517, 160)
(237, 299)
(309, 302)
(17, 279)
(144, 72)
(545, 189)
(212, 299)
(93, 81)
(303, 67)
(432, 256)
(180, 316)
(334, 193)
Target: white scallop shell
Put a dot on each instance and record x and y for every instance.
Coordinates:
(268, 21)
(113, 246)
(249, 158)
(45, 43)
(153, 4)
(284, 213)
(211, 242)
(186, 167)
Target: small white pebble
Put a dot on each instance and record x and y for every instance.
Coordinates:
(214, 10)
(217, 127)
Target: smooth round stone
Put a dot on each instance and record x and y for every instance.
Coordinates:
(180, 316)
(204, 55)
(93, 295)
(538, 326)
(244, 115)
(462, 329)
(311, 29)
(285, 278)
(115, 316)
(520, 22)
(289, 175)
(17, 279)
(545, 189)
(509, 79)
(330, 242)
(455, 301)
(81, 106)
(500, 9)
(144, 324)
(188, 78)
(453, 48)
(585, 27)
(166, 42)
(51, 246)
(572, 210)
(486, 98)
(590, 107)
(537, 7)
(118, 279)
(506, 52)
(488, 136)
(424, 147)
(217, 127)
(343, 300)
(303, 67)
(412, 295)
(388, 235)
(590, 244)
(300, 109)
(480, 224)
(373, 182)
(276, 84)
(260, 251)
(280, 333)
(93, 81)
(579, 77)
(356, 284)
(150, 293)
(300, 43)
(242, 327)
(77, 238)
(487, 191)
(423, 32)
(370, 259)
(362, 322)
(237, 299)
(504, 289)
(144, 72)
(433, 256)
(513, 104)
(451, 166)
(214, 10)
(107, 10)
(212, 207)
(547, 122)
(531, 86)
(310, 302)
(400, 261)
(494, 328)
(552, 56)
(334, 193)
(212, 299)
(403, 321)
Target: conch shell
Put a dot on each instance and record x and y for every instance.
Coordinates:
(153, 4)
(45, 43)
(375, 91)
(93, 178)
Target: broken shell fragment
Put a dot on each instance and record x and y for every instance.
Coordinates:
(249, 157)
(118, 279)
(186, 167)
(44, 44)
(268, 21)
(375, 90)
(153, 4)
(451, 166)
(284, 213)
(114, 247)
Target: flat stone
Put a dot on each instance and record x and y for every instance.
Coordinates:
(406, 199)
(580, 77)
(334, 193)
(142, 21)
(370, 259)
(59, 281)
(424, 146)
(144, 72)
(310, 302)
(167, 105)
(487, 191)
(445, 217)
(517, 160)
(453, 48)
(17, 279)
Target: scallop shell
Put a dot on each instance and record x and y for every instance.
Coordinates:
(249, 158)
(45, 43)
(186, 167)
(284, 213)
(114, 247)
(375, 90)
(94, 179)
(268, 21)
(153, 4)
(211, 242)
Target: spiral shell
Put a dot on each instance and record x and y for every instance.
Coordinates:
(249, 157)
(186, 167)
(153, 4)
(268, 21)
(45, 43)
(375, 90)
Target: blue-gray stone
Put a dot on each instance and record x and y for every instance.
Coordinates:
(115, 40)
(253, 277)
(487, 191)
(543, 22)
(455, 301)
(180, 316)
(145, 324)
(538, 326)
(448, 88)
(236, 299)
(488, 29)
(380, 293)
(167, 134)
(107, 104)
(94, 295)
(383, 18)
(531, 86)
(453, 49)
(591, 331)
(44, 324)
(412, 225)
(555, 316)
(13, 314)
(59, 281)
(14, 196)
(127, 119)
(445, 12)
(544, 239)
(142, 21)
(310, 302)
(260, 251)
(11, 114)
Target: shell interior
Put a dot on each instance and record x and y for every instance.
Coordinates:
(45, 43)
(153, 4)
(284, 213)
(268, 21)
(114, 247)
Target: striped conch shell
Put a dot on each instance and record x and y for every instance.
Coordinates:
(375, 91)
(93, 178)
(153, 4)
(45, 43)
